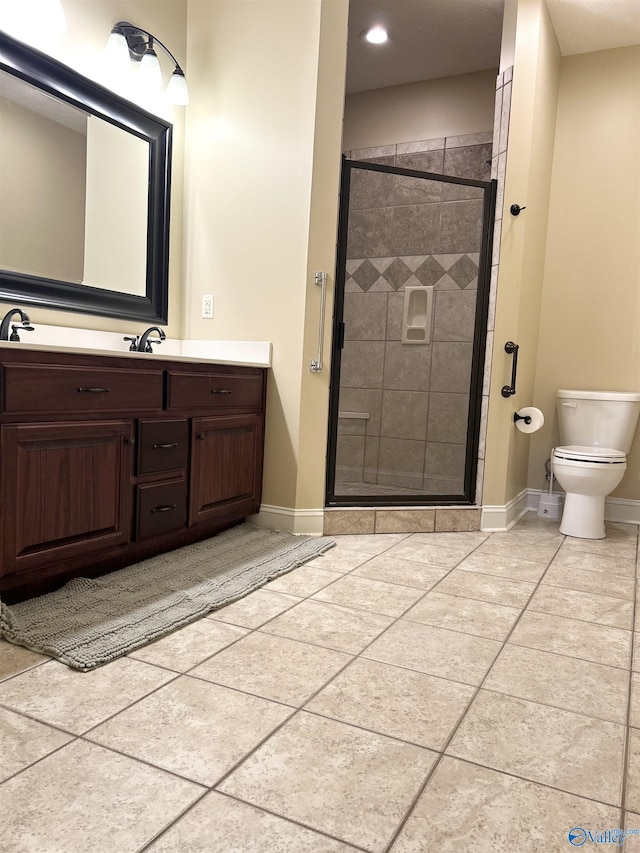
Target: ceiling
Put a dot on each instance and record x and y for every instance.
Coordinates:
(428, 39)
(441, 38)
(584, 25)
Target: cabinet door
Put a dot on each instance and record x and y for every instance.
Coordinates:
(226, 467)
(66, 490)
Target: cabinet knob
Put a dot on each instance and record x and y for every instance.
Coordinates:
(130, 441)
(200, 436)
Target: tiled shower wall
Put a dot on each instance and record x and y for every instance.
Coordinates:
(413, 399)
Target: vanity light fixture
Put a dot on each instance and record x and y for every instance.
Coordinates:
(128, 42)
(375, 35)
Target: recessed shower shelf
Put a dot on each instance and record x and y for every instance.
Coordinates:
(417, 314)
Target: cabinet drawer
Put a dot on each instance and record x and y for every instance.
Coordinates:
(162, 445)
(36, 388)
(160, 508)
(214, 391)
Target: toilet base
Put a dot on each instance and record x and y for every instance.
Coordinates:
(583, 516)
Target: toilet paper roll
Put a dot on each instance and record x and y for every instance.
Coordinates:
(537, 419)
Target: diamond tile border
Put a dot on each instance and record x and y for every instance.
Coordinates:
(428, 270)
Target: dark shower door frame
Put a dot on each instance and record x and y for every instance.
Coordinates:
(478, 352)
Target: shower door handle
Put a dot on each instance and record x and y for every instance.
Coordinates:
(511, 349)
(320, 279)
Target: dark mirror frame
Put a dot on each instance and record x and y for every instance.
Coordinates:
(68, 85)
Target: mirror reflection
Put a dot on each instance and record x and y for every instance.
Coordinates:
(74, 193)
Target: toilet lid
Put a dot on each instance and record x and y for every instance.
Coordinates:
(579, 453)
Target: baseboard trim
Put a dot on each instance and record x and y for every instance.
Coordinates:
(308, 522)
(496, 519)
(621, 510)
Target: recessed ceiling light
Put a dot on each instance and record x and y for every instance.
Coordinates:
(375, 35)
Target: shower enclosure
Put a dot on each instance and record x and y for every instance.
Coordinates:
(412, 291)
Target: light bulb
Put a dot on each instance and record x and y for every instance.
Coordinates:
(150, 72)
(376, 35)
(116, 51)
(177, 90)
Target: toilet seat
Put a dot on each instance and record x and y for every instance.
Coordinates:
(579, 453)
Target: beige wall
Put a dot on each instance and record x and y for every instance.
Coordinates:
(258, 220)
(508, 44)
(522, 246)
(323, 228)
(82, 47)
(590, 324)
(42, 189)
(448, 106)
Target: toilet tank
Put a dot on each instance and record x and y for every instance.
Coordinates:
(598, 418)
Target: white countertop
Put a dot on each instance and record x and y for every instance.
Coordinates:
(86, 341)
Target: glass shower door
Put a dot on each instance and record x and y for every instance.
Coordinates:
(409, 334)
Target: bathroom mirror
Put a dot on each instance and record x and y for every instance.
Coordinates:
(84, 189)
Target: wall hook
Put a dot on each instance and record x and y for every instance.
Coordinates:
(515, 209)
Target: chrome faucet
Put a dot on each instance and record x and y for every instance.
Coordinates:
(24, 325)
(144, 344)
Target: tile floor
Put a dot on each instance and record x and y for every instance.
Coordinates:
(407, 693)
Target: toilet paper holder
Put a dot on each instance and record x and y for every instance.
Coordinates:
(528, 419)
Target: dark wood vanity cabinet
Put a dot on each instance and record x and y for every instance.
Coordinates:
(107, 460)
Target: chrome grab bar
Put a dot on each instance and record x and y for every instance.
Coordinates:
(320, 279)
(511, 349)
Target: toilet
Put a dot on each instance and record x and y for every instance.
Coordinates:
(596, 432)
